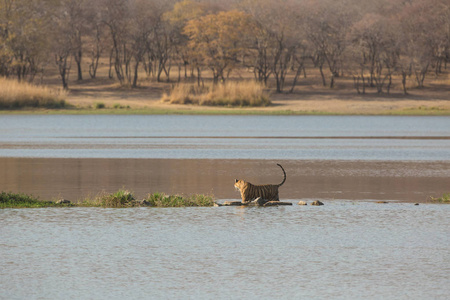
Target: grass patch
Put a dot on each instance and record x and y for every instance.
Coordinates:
(444, 199)
(232, 94)
(162, 200)
(11, 200)
(421, 111)
(119, 199)
(118, 106)
(17, 95)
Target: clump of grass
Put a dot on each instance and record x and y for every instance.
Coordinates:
(162, 200)
(246, 93)
(16, 95)
(99, 105)
(11, 200)
(444, 199)
(119, 199)
(119, 106)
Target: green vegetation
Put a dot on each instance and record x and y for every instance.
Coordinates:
(119, 199)
(99, 105)
(18, 95)
(162, 200)
(118, 106)
(246, 93)
(11, 200)
(444, 199)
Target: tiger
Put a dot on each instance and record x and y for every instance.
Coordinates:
(249, 192)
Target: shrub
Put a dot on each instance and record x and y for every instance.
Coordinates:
(99, 105)
(16, 95)
(247, 93)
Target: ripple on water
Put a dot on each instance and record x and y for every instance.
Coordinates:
(344, 249)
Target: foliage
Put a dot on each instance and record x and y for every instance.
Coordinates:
(248, 93)
(217, 40)
(184, 11)
(23, 37)
(375, 41)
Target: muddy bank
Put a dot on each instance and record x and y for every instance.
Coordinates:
(355, 180)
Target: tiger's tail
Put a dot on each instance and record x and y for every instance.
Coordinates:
(284, 179)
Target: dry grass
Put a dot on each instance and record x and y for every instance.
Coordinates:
(244, 93)
(14, 95)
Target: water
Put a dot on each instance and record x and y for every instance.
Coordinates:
(343, 250)
(227, 137)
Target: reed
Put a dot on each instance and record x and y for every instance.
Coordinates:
(16, 95)
(245, 93)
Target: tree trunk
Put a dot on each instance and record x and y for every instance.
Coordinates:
(299, 71)
(322, 75)
(135, 78)
(404, 75)
(93, 66)
(78, 57)
(356, 84)
(64, 69)
(110, 73)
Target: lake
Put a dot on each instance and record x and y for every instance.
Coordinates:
(350, 248)
(325, 157)
(342, 250)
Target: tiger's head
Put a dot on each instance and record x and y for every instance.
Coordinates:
(239, 184)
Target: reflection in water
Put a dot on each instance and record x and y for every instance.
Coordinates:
(345, 249)
(77, 178)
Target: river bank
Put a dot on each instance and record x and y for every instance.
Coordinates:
(281, 107)
(105, 96)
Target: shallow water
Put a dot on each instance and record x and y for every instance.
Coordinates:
(343, 250)
(77, 178)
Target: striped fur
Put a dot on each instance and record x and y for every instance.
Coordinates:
(250, 192)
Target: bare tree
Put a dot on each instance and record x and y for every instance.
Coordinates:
(327, 24)
(116, 15)
(273, 51)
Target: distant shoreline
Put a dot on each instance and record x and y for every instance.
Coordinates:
(421, 108)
